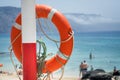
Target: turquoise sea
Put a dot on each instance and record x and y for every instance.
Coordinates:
(105, 48)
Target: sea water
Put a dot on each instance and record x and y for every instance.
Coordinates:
(104, 46)
(5, 54)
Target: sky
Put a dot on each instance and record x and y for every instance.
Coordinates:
(106, 8)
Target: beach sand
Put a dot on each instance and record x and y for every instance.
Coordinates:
(66, 78)
(15, 77)
(9, 77)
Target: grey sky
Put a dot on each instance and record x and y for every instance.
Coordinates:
(106, 8)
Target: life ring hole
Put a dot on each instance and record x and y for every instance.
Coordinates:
(45, 30)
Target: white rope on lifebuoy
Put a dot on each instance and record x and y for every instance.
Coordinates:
(51, 14)
(16, 25)
(63, 56)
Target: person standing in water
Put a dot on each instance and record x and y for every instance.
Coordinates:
(90, 56)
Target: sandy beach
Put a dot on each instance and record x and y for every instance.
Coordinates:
(15, 77)
(66, 78)
(9, 77)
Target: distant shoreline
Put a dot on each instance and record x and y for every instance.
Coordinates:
(99, 32)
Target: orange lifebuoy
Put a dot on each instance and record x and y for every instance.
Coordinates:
(64, 29)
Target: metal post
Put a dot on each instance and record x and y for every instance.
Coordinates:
(29, 40)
